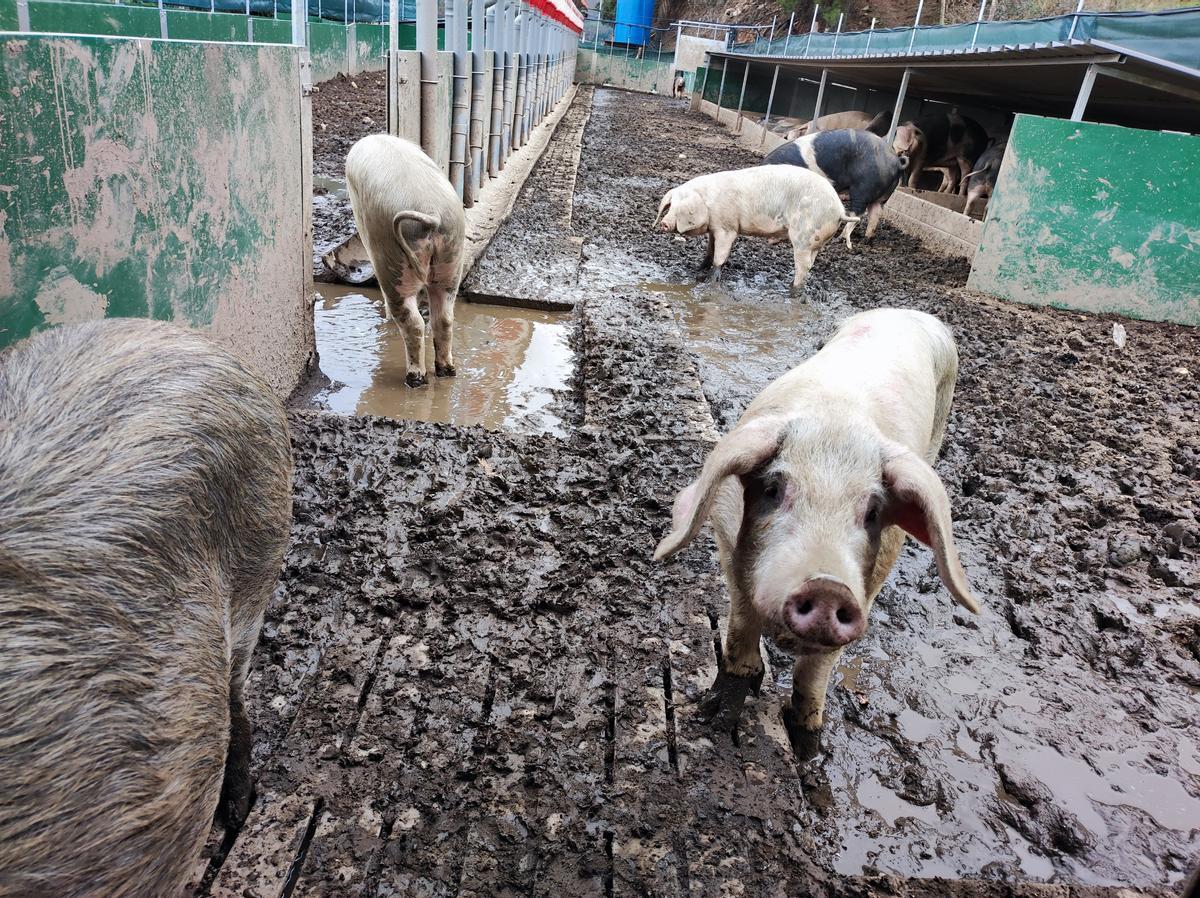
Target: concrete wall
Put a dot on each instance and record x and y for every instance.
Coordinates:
(645, 75)
(1097, 218)
(690, 53)
(130, 187)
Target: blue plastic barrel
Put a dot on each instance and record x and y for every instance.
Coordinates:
(634, 18)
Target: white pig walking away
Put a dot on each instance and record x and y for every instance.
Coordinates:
(772, 201)
(411, 222)
(811, 495)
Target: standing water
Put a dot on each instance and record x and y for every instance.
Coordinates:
(511, 362)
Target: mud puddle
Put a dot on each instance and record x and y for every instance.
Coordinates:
(334, 188)
(511, 364)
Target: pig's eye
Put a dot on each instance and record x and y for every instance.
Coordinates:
(871, 518)
(765, 491)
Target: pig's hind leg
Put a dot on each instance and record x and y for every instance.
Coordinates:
(408, 317)
(441, 319)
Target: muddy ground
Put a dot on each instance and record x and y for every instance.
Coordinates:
(344, 109)
(474, 680)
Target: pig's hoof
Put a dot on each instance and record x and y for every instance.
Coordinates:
(414, 379)
(445, 370)
(235, 802)
(722, 705)
(806, 743)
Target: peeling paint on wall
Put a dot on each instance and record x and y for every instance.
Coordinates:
(1096, 218)
(63, 300)
(157, 179)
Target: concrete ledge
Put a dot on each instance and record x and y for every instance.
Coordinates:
(496, 199)
(939, 228)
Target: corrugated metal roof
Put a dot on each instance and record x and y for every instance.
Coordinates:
(1042, 78)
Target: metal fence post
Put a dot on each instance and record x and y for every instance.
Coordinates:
(162, 20)
(720, 90)
(771, 96)
(871, 34)
(820, 94)
(891, 135)
(812, 28)
(299, 20)
(742, 98)
(249, 24)
(22, 15)
(1085, 93)
(837, 34)
(1075, 21)
(917, 21)
(978, 19)
(787, 40)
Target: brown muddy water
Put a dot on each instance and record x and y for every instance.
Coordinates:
(510, 364)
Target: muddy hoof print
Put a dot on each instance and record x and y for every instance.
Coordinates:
(722, 705)
(806, 743)
(415, 380)
(446, 370)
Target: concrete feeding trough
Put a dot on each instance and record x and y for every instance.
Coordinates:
(935, 220)
(349, 263)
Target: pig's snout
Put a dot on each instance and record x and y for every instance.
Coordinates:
(825, 612)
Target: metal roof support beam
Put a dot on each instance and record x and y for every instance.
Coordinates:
(1147, 81)
(899, 105)
(821, 94)
(721, 89)
(742, 98)
(1085, 93)
(771, 96)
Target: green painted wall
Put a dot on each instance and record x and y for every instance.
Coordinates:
(130, 187)
(1097, 218)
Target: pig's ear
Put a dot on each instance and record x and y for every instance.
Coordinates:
(741, 451)
(918, 504)
(663, 207)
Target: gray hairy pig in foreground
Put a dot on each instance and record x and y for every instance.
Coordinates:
(811, 495)
(145, 505)
(411, 222)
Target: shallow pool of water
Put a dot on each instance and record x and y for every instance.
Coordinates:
(510, 364)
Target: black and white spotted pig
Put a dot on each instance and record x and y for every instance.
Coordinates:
(855, 162)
